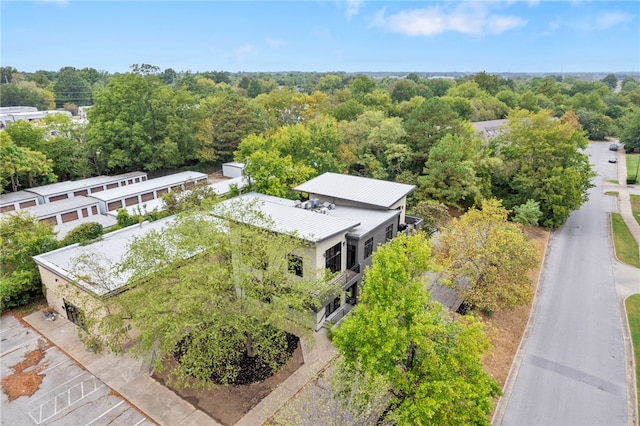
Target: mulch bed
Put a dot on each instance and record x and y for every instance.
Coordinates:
(228, 404)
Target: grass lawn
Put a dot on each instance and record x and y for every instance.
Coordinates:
(611, 193)
(632, 165)
(613, 181)
(625, 245)
(633, 316)
(635, 206)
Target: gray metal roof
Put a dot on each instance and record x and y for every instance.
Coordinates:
(62, 206)
(106, 252)
(148, 185)
(76, 185)
(369, 219)
(14, 197)
(368, 191)
(284, 218)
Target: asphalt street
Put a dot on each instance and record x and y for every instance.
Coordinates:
(572, 368)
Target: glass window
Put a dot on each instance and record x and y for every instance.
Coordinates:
(368, 248)
(389, 232)
(333, 258)
(295, 264)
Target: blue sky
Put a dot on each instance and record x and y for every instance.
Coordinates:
(323, 36)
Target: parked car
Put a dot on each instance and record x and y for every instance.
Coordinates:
(613, 159)
(613, 147)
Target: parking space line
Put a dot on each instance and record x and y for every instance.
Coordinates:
(106, 412)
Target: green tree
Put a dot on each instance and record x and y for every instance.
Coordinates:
(610, 80)
(528, 213)
(543, 161)
(137, 122)
(22, 167)
(21, 237)
(486, 258)
(235, 297)
(429, 358)
(449, 173)
(429, 123)
(71, 87)
(597, 125)
(26, 93)
(404, 90)
(224, 122)
(630, 135)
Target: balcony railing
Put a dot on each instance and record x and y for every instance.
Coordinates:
(345, 276)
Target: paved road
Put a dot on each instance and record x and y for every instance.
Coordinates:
(572, 369)
(67, 394)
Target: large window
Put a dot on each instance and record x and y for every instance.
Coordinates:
(388, 233)
(333, 258)
(368, 248)
(295, 264)
(351, 254)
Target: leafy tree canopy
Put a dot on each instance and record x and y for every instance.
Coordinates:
(429, 358)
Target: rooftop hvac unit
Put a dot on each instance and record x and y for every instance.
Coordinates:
(315, 203)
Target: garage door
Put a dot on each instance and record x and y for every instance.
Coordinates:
(27, 204)
(131, 201)
(58, 197)
(79, 193)
(114, 205)
(147, 197)
(68, 217)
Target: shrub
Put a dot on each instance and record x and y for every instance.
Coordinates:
(528, 213)
(83, 233)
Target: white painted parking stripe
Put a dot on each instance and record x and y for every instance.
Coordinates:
(106, 412)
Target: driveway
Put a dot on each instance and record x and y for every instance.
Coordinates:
(42, 385)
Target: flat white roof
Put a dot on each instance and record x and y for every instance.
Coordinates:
(148, 185)
(374, 192)
(224, 187)
(62, 206)
(107, 253)
(76, 185)
(14, 197)
(284, 218)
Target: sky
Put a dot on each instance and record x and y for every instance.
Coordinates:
(323, 36)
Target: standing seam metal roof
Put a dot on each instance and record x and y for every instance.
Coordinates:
(369, 191)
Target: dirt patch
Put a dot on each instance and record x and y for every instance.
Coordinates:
(26, 377)
(228, 404)
(505, 328)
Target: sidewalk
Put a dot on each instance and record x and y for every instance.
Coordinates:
(131, 379)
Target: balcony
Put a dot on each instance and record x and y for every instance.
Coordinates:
(346, 278)
(411, 223)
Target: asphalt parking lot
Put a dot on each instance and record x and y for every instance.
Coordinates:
(42, 385)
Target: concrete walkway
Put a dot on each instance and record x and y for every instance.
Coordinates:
(131, 379)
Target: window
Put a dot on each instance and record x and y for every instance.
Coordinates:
(295, 264)
(388, 234)
(333, 306)
(368, 248)
(351, 255)
(333, 258)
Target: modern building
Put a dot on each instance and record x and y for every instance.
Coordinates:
(340, 235)
(136, 195)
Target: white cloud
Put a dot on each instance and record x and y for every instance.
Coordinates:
(244, 51)
(467, 18)
(353, 8)
(500, 24)
(610, 19)
(275, 43)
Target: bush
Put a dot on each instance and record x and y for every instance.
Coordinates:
(83, 233)
(528, 213)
